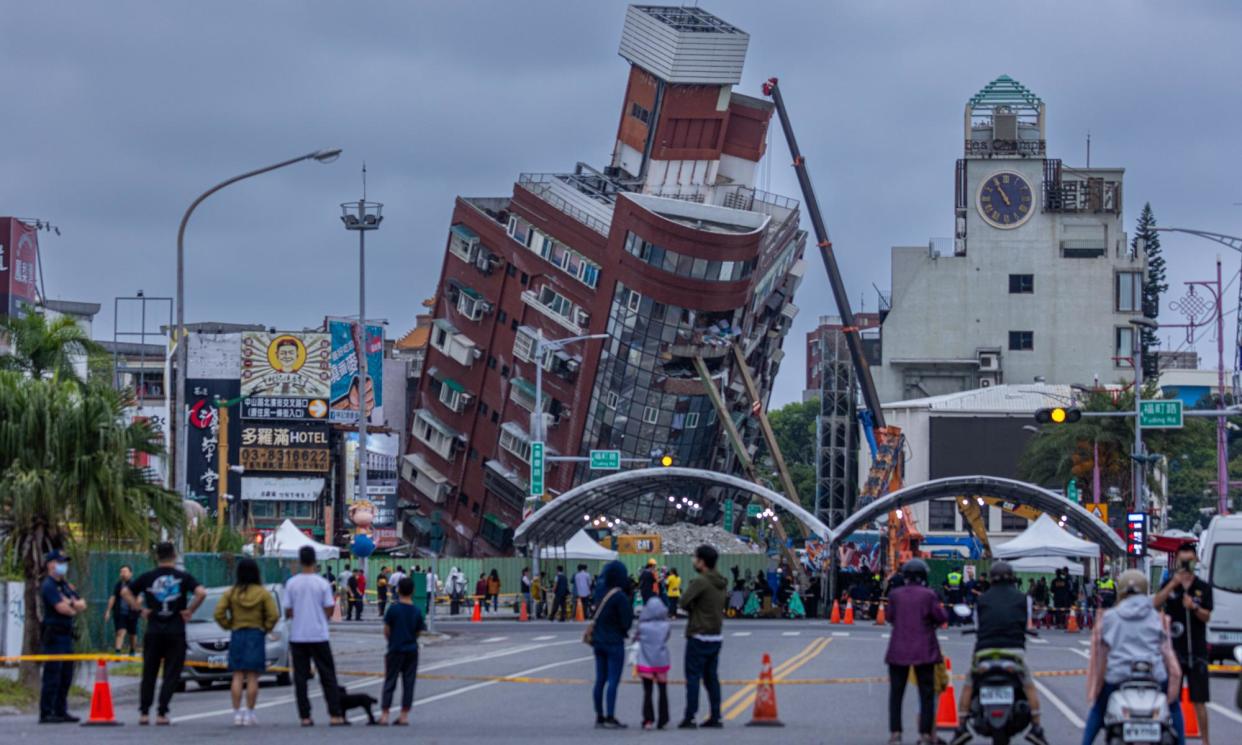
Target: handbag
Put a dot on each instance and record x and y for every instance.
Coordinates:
(588, 636)
(942, 677)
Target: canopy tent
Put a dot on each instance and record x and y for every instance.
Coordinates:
(1045, 539)
(579, 546)
(286, 540)
(1046, 565)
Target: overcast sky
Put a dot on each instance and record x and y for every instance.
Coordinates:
(120, 113)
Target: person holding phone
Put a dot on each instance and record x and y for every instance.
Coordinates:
(1187, 601)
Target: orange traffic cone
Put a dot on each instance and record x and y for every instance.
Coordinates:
(101, 701)
(879, 616)
(523, 616)
(849, 613)
(336, 612)
(836, 613)
(946, 711)
(477, 615)
(1071, 625)
(579, 615)
(1190, 721)
(765, 698)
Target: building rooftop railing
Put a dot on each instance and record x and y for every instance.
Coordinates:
(540, 184)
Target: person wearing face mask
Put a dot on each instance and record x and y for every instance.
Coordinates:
(61, 604)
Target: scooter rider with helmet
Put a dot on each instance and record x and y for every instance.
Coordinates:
(1002, 624)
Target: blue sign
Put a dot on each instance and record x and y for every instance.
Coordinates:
(346, 391)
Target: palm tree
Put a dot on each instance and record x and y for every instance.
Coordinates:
(67, 458)
(41, 347)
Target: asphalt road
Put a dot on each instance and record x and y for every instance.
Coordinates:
(841, 701)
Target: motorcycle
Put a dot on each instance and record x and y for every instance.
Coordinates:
(1138, 711)
(998, 705)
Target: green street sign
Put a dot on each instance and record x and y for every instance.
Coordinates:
(605, 460)
(753, 510)
(1071, 491)
(1160, 414)
(536, 469)
(728, 516)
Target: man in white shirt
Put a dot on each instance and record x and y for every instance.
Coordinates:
(308, 606)
(433, 583)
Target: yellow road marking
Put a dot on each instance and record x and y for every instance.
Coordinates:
(748, 693)
(779, 668)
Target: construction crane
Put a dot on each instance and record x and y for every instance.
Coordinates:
(885, 442)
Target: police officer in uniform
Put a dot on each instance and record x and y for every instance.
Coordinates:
(953, 592)
(61, 604)
(1106, 590)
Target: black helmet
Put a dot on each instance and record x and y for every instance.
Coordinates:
(1002, 571)
(915, 570)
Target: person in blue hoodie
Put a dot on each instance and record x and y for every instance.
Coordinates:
(610, 626)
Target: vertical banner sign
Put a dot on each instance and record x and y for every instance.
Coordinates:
(19, 257)
(728, 516)
(203, 440)
(536, 469)
(1136, 533)
(346, 388)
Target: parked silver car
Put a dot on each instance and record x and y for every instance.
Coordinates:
(207, 643)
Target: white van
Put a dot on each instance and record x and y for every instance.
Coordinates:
(1220, 564)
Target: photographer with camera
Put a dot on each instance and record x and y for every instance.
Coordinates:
(1187, 601)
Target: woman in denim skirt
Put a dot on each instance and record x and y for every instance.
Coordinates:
(248, 611)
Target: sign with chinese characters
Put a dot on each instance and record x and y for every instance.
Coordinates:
(605, 460)
(1160, 414)
(346, 390)
(156, 417)
(1136, 533)
(536, 469)
(19, 257)
(284, 407)
(285, 364)
(280, 489)
(203, 439)
(285, 447)
(381, 496)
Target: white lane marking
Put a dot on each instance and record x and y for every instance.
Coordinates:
(1046, 694)
(544, 638)
(1085, 642)
(318, 692)
(942, 638)
(790, 633)
(1224, 712)
(885, 636)
(840, 633)
(1037, 641)
(485, 684)
(741, 633)
(1081, 652)
(494, 639)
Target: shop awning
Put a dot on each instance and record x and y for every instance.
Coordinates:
(470, 291)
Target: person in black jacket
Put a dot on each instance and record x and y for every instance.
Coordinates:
(1002, 622)
(560, 595)
(611, 623)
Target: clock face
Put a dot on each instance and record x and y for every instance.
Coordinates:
(1005, 200)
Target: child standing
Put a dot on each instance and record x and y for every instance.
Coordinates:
(653, 658)
(403, 622)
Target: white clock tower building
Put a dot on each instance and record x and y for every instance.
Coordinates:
(1039, 283)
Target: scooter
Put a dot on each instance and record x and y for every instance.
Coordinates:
(1138, 711)
(998, 705)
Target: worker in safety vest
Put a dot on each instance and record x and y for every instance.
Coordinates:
(1106, 590)
(953, 592)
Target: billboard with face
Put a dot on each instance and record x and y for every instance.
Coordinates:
(285, 364)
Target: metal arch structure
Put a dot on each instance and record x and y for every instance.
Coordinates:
(557, 521)
(1020, 492)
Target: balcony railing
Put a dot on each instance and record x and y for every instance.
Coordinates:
(530, 298)
(540, 184)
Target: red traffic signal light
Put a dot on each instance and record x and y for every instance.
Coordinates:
(1058, 415)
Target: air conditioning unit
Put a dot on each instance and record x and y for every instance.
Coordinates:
(989, 362)
(466, 398)
(572, 365)
(582, 317)
(476, 353)
(485, 307)
(988, 380)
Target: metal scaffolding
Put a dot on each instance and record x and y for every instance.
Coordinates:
(836, 430)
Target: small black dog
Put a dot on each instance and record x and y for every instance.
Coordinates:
(356, 701)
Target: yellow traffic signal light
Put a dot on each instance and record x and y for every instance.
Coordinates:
(666, 460)
(1058, 415)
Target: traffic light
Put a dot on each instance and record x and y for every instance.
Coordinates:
(1058, 415)
(661, 458)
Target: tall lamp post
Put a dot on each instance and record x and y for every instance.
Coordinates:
(1139, 456)
(178, 461)
(362, 216)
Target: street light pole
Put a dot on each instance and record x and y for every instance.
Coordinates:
(177, 463)
(1138, 459)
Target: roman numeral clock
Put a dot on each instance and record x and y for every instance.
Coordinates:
(1005, 200)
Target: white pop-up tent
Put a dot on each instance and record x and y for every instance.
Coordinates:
(288, 539)
(580, 546)
(1046, 565)
(1044, 538)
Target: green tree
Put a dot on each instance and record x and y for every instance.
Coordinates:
(794, 427)
(1154, 284)
(68, 478)
(42, 347)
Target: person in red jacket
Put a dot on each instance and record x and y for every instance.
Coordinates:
(915, 612)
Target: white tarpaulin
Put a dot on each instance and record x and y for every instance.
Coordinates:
(288, 539)
(580, 546)
(1045, 539)
(1046, 565)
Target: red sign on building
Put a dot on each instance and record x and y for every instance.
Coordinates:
(19, 257)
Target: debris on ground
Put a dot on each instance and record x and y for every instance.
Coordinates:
(683, 538)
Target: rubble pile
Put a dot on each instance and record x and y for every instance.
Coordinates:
(683, 538)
